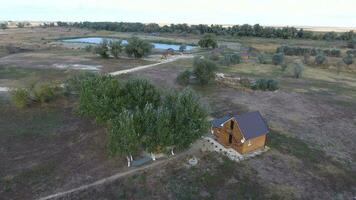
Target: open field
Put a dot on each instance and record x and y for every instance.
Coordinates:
(49, 148)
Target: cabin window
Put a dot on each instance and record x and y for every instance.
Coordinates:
(249, 143)
(230, 138)
(232, 124)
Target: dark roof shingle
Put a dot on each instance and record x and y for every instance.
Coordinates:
(251, 124)
(219, 121)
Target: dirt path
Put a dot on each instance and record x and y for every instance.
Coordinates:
(172, 59)
(119, 175)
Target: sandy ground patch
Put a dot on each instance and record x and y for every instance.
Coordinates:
(78, 66)
(4, 89)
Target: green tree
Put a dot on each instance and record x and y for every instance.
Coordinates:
(103, 49)
(208, 41)
(137, 47)
(116, 48)
(184, 77)
(139, 92)
(232, 59)
(188, 118)
(278, 58)
(204, 70)
(100, 97)
(123, 138)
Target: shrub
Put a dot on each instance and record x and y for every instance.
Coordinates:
(262, 58)
(265, 84)
(89, 48)
(278, 58)
(115, 48)
(137, 47)
(214, 56)
(182, 48)
(3, 25)
(284, 66)
(298, 69)
(204, 70)
(232, 59)
(208, 41)
(348, 59)
(184, 77)
(73, 83)
(102, 49)
(43, 93)
(20, 97)
(20, 25)
(351, 43)
(320, 59)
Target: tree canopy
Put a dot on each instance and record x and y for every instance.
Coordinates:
(141, 117)
(236, 30)
(204, 70)
(137, 47)
(208, 41)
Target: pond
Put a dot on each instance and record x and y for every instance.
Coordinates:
(97, 40)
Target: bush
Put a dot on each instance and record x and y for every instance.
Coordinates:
(182, 48)
(43, 93)
(20, 97)
(137, 47)
(89, 48)
(278, 58)
(208, 41)
(232, 59)
(301, 51)
(103, 49)
(20, 25)
(204, 70)
(265, 84)
(320, 59)
(351, 43)
(73, 83)
(3, 25)
(262, 58)
(184, 77)
(214, 56)
(298, 69)
(348, 59)
(284, 66)
(115, 48)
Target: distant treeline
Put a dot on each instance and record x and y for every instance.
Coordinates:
(301, 51)
(236, 30)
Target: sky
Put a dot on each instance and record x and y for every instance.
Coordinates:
(333, 13)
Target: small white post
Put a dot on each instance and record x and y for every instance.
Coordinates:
(153, 156)
(131, 158)
(128, 161)
(172, 152)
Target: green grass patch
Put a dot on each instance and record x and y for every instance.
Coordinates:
(34, 121)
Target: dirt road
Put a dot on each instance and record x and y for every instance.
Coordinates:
(174, 58)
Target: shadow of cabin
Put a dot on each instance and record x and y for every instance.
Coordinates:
(244, 133)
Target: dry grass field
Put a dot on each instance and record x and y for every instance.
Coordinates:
(48, 148)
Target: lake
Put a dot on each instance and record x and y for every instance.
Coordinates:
(98, 40)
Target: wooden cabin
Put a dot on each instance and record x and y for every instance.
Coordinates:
(244, 133)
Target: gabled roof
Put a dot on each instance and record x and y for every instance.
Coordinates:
(218, 122)
(251, 124)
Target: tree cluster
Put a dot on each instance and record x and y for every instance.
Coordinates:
(236, 30)
(301, 51)
(135, 47)
(265, 84)
(141, 117)
(208, 41)
(204, 70)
